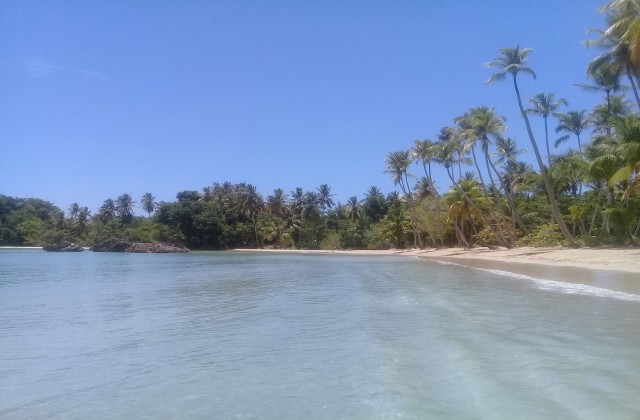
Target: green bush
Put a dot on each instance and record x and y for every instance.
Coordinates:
(547, 234)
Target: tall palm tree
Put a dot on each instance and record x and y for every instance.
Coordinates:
(397, 166)
(252, 205)
(352, 208)
(574, 122)
(124, 207)
(606, 78)
(324, 195)
(604, 116)
(277, 205)
(513, 61)
(423, 151)
(148, 203)
(107, 211)
(617, 43)
(543, 105)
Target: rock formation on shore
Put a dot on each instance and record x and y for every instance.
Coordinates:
(63, 246)
(118, 245)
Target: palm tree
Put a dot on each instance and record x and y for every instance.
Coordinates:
(423, 151)
(324, 195)
(277, 205)
(543, 105)
(606, 78)
(615, 40)
(107, 211)
(507, 151)
(603, 117)
(352, 208)
(148, 203)
(513, 62)
(252, 205)
(124, 207)
(397, 165)
(74, 209)
(574, 122)
(465, 200)
(481, 125)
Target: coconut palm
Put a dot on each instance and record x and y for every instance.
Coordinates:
(423, 151)
(482, 125)
(543, 105)
(148, 203)
(107, 211)
(324, 197)
(252, 205)
(465, 207)
(397, 165)
(124, 207)
(73, 210)
(603, 116)
(512, 61)
(573, 122)
(606, 78)
(616, 42)
(352, 209)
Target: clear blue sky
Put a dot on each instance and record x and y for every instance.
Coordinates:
(99, 98)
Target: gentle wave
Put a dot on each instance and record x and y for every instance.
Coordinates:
(558, 286)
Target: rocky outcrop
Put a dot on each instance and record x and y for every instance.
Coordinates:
(63, 246)
(119, 245)
(111, 245)
(158, 248)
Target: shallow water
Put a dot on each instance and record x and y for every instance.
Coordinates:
(248, 335)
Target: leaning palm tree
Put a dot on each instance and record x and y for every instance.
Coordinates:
(397, 166)
(148, 203)
(512, 61)
(617, 43)
(573, 122)
(543, 105)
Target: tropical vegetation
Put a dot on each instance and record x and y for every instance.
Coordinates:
(587, 194)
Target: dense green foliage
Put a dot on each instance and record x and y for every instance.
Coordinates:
(587, 195)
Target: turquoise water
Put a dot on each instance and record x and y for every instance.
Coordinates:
(276, 336)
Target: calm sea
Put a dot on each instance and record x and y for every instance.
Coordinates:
(283, 336)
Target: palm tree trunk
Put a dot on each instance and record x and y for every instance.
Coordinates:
(417, 241)
(633, 84)
(512, 202)
(546, 137)
(555, 210)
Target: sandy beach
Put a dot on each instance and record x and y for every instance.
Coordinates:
(610, 268)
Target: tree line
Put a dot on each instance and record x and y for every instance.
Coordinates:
(587, 195)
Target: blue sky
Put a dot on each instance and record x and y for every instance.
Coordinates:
(103, 98)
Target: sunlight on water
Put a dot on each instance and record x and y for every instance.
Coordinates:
(244, 335)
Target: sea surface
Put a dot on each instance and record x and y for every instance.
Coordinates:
(244, 335)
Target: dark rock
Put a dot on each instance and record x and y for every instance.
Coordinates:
(63, 246)
(118, 245)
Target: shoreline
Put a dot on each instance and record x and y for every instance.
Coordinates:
(608, 268)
